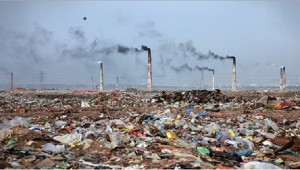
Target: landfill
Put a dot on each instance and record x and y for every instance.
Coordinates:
(137, 129)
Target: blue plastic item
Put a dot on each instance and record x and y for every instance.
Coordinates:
(292, 152)
(189, 111)
(246, 152)
(202, 114)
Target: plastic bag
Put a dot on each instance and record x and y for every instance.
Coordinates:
(189, 111)
(203, 150)
(5, 133)
(202, 114)
(60, 123)
(53, 148)
(259, 165)
(270, 123)
(211, 128)
(19, 121)
(222, 136)
(68, 138)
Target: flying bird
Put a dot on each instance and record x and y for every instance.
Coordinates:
(84, 18)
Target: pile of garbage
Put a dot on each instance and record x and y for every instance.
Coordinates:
(198, 129)
(194, 96)
(56, 101)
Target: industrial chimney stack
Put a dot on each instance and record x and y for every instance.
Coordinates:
(283, 78)
(11, 81)
(149, 77)
(233, 84)
(213, 79)
(101, 85)
(117, 83)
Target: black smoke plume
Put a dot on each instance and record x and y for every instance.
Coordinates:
(181, 68)
(92, 51)
(203, 68)
(78, 34)
(188, 49)
(185, 66)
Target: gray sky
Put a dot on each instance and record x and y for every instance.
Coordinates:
(52, 37)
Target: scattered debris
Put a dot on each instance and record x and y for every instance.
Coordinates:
(140, 129)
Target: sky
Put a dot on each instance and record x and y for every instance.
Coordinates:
(49, 41)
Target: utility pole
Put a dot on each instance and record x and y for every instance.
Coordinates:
(41, 79)
(92, 83)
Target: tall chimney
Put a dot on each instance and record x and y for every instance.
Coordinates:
(281, 79)
(202, 79)
(117, 83)
(149, 78)
(233, 84)
(11, 81)
(213, 79)
(101, 83)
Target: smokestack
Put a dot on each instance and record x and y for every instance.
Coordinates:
(117, 83)
(281, 79)
(101, 83)
(92, 83)
(149, 78)
(11, 81)
(213, 79)
(233, 84)
(202, 79)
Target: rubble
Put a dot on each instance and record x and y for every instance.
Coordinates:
(140, 129)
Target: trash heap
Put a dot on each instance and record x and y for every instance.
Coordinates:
(138, 129)
(194, 96)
